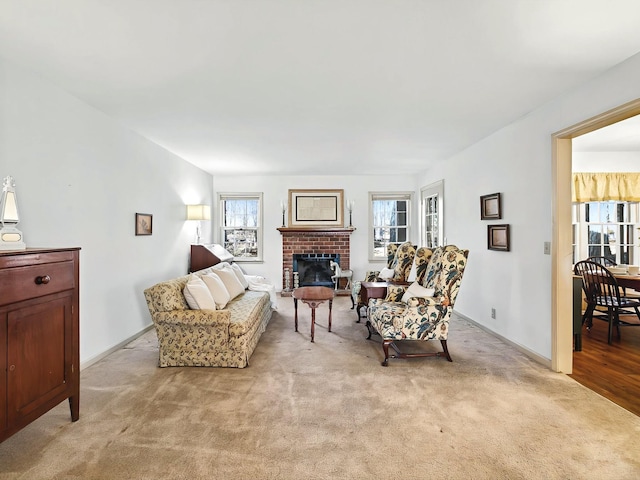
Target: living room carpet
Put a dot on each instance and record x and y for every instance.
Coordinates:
(329, 410)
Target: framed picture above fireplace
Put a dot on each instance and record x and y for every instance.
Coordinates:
(316, 208)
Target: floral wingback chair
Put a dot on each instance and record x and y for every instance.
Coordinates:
(399, 259)
(423, 310)
(372, 275)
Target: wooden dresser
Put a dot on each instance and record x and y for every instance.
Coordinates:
(204, 256)
(39, 335)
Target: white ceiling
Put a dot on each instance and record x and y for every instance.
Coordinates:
(314, 87)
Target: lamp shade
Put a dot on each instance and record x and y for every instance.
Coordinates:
(198, 212)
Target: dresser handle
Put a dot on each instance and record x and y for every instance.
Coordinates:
(44, 279)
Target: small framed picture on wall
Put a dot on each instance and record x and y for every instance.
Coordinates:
(144, 224)
(490, 207)
(498, 237)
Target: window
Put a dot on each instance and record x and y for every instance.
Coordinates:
(241, 225)
(389, 222)
(605, 229)
(431, 196)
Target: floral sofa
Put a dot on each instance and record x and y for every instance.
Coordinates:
(211, 338)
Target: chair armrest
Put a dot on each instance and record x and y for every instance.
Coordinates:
(395, 293)
(215, 318)
(428, 302)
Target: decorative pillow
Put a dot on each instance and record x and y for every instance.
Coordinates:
(231, 282)
(413, 273)
(386, 273)
(238, 271)
(218, 291)
(417, 290)
(197, 295)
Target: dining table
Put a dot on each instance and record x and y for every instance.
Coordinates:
(627, 280)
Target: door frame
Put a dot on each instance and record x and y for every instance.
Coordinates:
(561, 245)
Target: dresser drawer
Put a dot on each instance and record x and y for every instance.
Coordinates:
(22, 283)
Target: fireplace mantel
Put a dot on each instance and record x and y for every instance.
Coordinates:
(315, 229)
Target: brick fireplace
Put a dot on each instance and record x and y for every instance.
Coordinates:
(313, 242)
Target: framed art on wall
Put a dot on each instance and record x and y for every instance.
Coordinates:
(144, 224)
(316, 208)
(498, 237)
(490, 207)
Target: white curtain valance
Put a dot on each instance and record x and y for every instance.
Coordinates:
(603, 187)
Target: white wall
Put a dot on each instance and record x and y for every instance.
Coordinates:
(517, 161)
(605, 161)
(276, 189)
(80, 178)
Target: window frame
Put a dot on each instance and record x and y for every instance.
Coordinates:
(395, 196)
(581, 231)
(435, 189)
(222, 198)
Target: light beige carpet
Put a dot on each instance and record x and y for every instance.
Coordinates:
(329, 411)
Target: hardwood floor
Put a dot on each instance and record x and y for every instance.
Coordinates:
(613, 371)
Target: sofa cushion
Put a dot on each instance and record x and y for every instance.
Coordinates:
(230, 280)
(240, 274)
(246, 311)
(197, 295)
(218, 290)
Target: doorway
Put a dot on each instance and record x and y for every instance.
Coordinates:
(562, 254)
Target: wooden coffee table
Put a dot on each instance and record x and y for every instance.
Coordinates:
(312, 296)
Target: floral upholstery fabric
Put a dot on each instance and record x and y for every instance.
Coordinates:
(392, 263)
(212, 338)
(423, 318)
(421, 260)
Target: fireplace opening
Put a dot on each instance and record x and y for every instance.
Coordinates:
(314, 269)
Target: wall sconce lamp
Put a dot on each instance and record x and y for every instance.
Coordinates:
(10, 236)
(198, 213)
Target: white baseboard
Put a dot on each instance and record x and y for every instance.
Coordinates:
(529, 353)
(100, 356)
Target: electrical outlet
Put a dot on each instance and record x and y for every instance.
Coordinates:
(493, 313)
(547, 248)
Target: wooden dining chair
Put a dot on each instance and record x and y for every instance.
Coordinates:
(601, 290)
(606, 261)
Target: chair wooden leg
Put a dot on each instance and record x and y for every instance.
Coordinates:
(385, 348)
(587, 318)
(446, 350)
(610, 318)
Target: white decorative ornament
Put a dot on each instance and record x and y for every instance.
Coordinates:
(10, 236)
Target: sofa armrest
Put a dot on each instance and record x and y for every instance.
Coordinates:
(214, 318)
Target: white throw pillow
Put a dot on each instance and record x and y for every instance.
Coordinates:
(238, 271)
(417, 290)
(413, 274)
(198, 295)
(218, 291)
(231, 282)
(386, 273)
